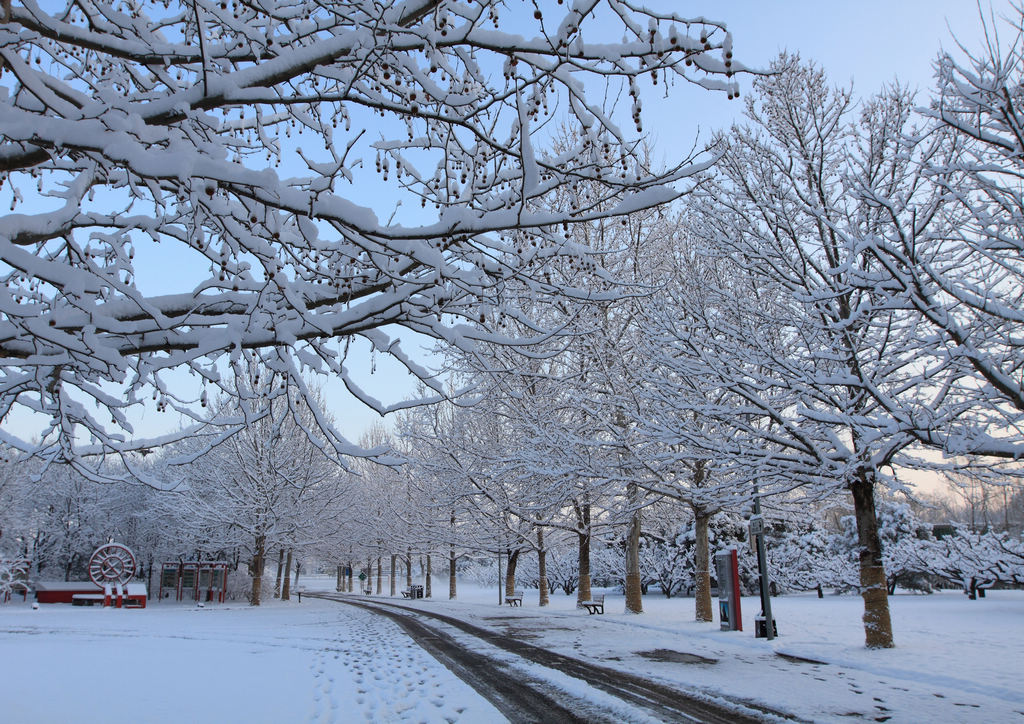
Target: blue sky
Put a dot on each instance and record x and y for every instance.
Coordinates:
(868, 42)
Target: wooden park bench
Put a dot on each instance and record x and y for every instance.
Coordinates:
(413, 592)
(595, 605)
(514, 599)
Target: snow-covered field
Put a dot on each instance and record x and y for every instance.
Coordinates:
(281, 662)
(956, 660)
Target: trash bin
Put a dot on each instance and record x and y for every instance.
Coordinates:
(761, 631)
(415, 591)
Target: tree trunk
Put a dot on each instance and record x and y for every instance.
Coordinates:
(877, 623)
(351, 572)
(380, 575)
(701, 560)
(258, 560)
(394, 570)
(634, 596)
(583, 592)
(277, 581)
(408, 568)
(428, 576)
(451, 562)
(512, 557)
(341, 579)
(286, 587)
(542, 567)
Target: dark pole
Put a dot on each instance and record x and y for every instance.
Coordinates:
(757, 528)
(500, 601)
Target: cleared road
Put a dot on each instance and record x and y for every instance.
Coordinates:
(508, 678)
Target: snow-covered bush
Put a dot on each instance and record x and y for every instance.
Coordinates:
(13, 576)
(667, 555)
(563, 566)
(667, 562)
(806, 556)
(480, 570)
(968, 558)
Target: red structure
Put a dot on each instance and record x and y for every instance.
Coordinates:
(61, 592)
(130, 595)
(110, 568)
(194, 580)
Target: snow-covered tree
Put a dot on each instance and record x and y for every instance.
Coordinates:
(13, 576)
(10, 493)
(678, 435)
(62, 523)
(268, 486)
(971, 559)
(965, 281)
(805, 553)
(228, 139)
(813, 351)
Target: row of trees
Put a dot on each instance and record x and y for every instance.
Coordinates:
(267, 492)
(978, 504)
(816, 551)
(836, 304)
(56, 532)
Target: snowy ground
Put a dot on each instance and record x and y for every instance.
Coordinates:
(956, 660)
(281, 662)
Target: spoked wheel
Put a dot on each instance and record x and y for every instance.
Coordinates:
(111, 564)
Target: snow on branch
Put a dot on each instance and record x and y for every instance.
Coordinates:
(228, 135)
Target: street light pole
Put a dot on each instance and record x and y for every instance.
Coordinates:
(500, 601)
(757, 532)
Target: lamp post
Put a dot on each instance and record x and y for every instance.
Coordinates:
(500, 601)
(757, 535)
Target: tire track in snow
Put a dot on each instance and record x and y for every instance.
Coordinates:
(530, 701)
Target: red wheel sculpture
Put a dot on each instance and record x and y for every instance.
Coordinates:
(111, 564)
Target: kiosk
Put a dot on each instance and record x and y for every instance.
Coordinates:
(728, 571)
